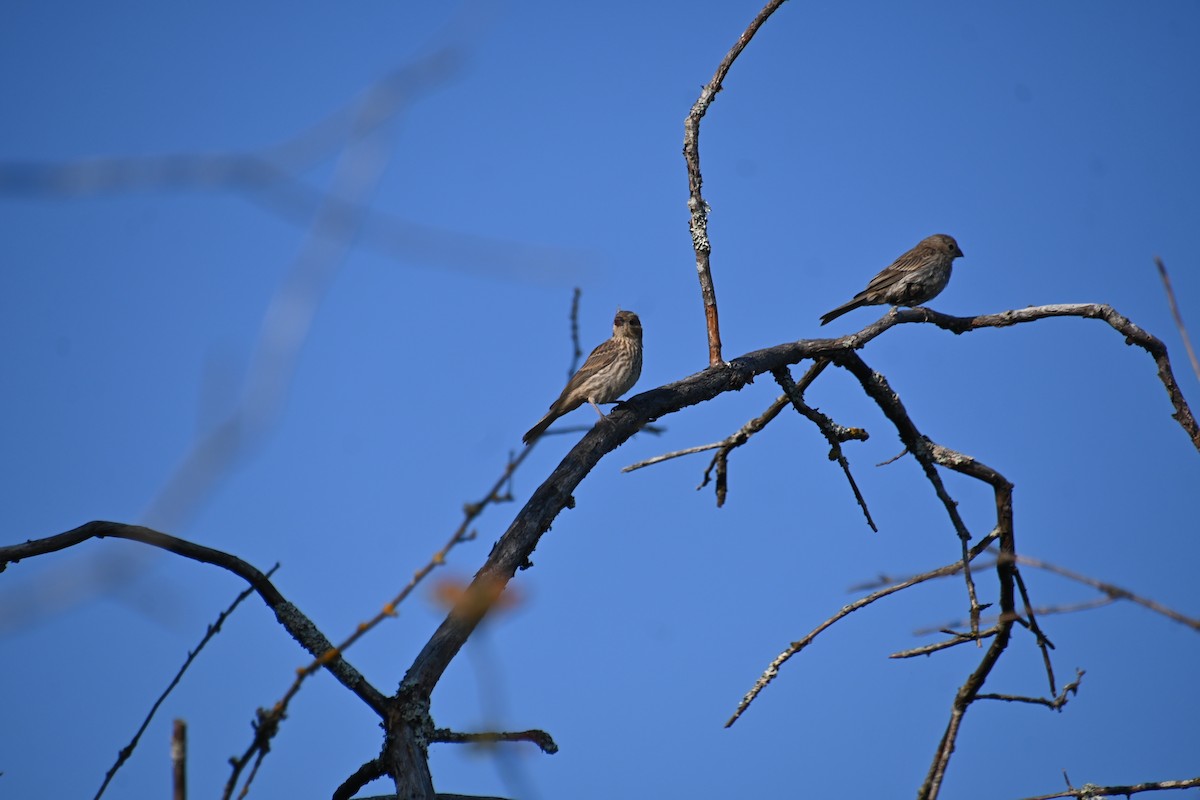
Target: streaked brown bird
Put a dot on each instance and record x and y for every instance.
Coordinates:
(609, 372)
(914, 278)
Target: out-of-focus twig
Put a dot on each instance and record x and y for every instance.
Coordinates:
(1112, 591)
(179, 759)
(1183, 334)
(577, 351)
(128, 749)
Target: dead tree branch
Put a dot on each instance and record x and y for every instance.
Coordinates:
(1090, 791)
(696, 204)
(1183, 334)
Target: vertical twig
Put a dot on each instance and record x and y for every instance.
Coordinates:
(578, 352)
(696, 205)
(179, 760)
(1187, 342)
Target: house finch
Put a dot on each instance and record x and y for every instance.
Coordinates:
(916, 277)
(609, 372)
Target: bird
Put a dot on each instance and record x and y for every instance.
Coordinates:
(916, 277)
(609, 372)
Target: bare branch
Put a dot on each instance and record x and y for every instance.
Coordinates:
(370, 771)
(772, 669)
(1090, 791)
(834, 434)
(180, 734)
(957, 639)
(696, 205)
(1042, 611)
(542, 739)
(1183, 334)
(1053, 703)
(179, 755)
(649, 462)
(1113, 591)
(1133, 335)
(737, 438)
(577, 351)
(877, 388)
(300, 627)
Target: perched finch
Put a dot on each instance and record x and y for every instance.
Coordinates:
(916, 277)
(609, 372)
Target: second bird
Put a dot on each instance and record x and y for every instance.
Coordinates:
(609, 372)
(916, 277)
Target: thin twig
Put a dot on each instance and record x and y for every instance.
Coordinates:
(266, 727)
(1054, 703)
(957, 639)
(577, 351)
(736, 439)
(893, 459)
(649, 462)
(834, 434)
(298, 626)
(1090, 791)
(1042, 611)
(1112, 591)
(1183, 334)
(772, 670)
(1044, 644)
(213, 630)
(878, 389)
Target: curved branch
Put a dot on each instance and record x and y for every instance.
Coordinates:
(1134, 335)
(297, 624)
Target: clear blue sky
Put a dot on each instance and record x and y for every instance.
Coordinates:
(1057, 142)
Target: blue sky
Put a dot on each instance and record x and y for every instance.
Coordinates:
(1056, 143)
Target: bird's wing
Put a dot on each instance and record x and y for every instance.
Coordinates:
(904, 265)
(602, 357)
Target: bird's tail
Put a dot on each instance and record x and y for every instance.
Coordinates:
(537, 430)
(844, 308)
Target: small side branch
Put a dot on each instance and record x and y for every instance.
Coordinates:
(878, 389)
(720, 461)
(1183, 334)
(180, 735)
(299, 626)
(955, 640)
(542, 739)
(370, 771)
(772, 670)
(1090, 791)
(834, 434)
(1112, 591)
(1053, 703)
